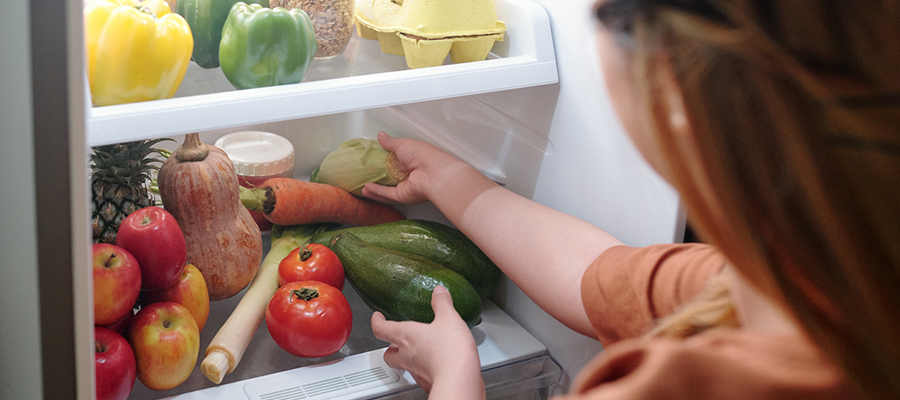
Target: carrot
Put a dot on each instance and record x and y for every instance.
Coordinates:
(286, 201)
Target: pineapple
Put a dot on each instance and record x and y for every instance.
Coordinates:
(120, 180)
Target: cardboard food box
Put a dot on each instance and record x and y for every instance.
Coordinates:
(425, 31)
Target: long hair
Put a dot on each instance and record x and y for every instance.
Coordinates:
(793, 168)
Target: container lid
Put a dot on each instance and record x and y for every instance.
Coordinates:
(256, 153)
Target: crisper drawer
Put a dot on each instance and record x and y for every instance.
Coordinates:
(515, 365)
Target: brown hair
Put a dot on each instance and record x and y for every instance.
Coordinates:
(712, 308)
(793, 167)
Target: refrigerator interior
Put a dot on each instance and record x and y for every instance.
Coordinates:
(494, 114)
(532, 117)
(503, 134)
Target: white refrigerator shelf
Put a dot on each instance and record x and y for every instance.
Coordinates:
(514, 363)
(361, 78)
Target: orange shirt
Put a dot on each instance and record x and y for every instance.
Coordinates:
(626, 289)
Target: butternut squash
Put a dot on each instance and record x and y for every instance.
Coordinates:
(199, 187)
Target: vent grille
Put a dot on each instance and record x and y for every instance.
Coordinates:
(286, 394)
(315, 389)
(326, 386)
(364, 377)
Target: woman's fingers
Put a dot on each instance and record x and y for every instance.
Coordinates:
(442, 303)
(378, 192)
(388, 194)
(385, 330)
(391, 332)
(406, 150)
(386, 141)
(393, 358)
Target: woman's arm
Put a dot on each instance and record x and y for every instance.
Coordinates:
(544, 251)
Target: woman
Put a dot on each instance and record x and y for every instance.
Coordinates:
(779, 123)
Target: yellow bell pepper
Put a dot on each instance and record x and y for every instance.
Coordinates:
(136, 50)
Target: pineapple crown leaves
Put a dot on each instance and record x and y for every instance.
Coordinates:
(127, 163)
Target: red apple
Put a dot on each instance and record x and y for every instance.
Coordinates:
(117, 282)
(166, 344)
(114, 365)
(153, 236)
(121, 326)
(190, 291)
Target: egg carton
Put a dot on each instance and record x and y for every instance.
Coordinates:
(425, 31)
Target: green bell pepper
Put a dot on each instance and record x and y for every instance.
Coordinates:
(206, 19)
(266, 47)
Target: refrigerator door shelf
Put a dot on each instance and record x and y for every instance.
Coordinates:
(361, 78)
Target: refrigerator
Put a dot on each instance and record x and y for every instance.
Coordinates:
(534, 117)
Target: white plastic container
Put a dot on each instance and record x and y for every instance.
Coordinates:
(258, 156)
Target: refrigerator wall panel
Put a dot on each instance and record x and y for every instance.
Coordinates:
(20, 346)
(591, 171)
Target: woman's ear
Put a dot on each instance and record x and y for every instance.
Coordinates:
(681, 146)
(672, 97)
(670, 113)
(673, 138)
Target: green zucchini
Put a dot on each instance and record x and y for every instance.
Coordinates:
(400, 284)
(437, 242)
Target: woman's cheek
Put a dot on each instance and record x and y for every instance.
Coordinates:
(617, 66)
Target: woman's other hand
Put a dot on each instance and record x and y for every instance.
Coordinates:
(431, 170)
(441, 356)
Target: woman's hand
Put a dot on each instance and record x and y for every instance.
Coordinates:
(441, 356)
(430, 170)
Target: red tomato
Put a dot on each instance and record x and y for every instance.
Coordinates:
(315, 262)
(309, 319)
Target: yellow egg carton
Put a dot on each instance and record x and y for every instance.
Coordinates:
(424, 31)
